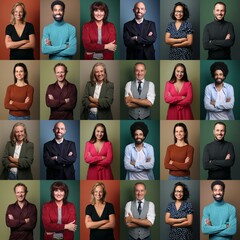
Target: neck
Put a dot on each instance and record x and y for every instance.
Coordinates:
(219, 85)
(99, 23)
(18, 22)
(21, 204)
(180, 143)
(139, 146)
(20, 82)
(59, 203)
(59, 140)
(61, 84)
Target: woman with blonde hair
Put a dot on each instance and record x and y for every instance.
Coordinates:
(100, 215)
(98, 95)
(19, 34)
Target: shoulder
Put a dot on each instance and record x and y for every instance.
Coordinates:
(29, 87)
(109, 205)
(150, 83)
(69, 205)
(29, 144)
(49, 143)
(68, 141)
(110, 84)
(151, 204)
(109, 25)
(129, 146)
(69, 25)
(147, 145)
(171, 146)
(209, 86)
(190, 147)
(9, 27)
(28, 24)
(131, 22)
(108, 144)
(89, 208)
(230, 206)
(148, 21)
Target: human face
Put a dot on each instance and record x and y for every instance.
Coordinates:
(219, 132)
(218, 193)
(58, 13)
(179, 72)
(218, 77)
(19, 133)
(178, 193)
(140, 191)
(19, 73)
(98, 193)
(179, 133)
(58, 195)
(59, 131)
(98, 15)
(60, 73)
(139, 10)
(219, 12)
(139, 137)
(18, 13)
(20, 194)
(99, 133)
(178, 13)
(140, 71)
(99, 73)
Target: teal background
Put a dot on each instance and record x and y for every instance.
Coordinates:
(152, 195)
(232, 15)
(152, 138)
(73, 197)
(152, 75)
(232, 78)
(232, 135)
(113, 17)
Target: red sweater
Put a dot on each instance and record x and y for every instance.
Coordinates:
(178, 155)
(90, 39)
(18, 95)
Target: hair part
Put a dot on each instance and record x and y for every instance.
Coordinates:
(98, 184)
(59, 186)
(13, 138)
(185, 11)
(182, 125)
(13, 21)
(93, 138)
(186, 193)
(22, 65)
(93, 80)
(185, 76)
(21, 185)
(99, 6)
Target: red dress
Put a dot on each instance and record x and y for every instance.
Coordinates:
(179, 108)
(99, 169)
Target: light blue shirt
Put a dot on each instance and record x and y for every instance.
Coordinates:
(145, 165)
(211, 95)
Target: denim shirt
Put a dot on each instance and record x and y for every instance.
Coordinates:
(211, 95)
(131, 154)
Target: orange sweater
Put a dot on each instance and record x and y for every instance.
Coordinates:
(178, 155)
(18, 95)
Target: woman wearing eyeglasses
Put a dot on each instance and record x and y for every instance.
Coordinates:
(179, 214)
(179, 34)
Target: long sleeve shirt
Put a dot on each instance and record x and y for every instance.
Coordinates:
(223, 221)
(63, 41)
(214, 39)
(178, 155)
(214, 161)
(143, 162)
(20, 229)
(220, 106)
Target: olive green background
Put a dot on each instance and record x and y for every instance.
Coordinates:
(127, 74)
(113, 17)
(152, 139)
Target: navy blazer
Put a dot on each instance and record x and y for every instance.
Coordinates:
(144, 41)
(62, 168)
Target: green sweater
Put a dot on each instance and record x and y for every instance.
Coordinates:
(223, 219)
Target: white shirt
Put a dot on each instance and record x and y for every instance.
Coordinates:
(151, 210)
(151, 90)
(96, 94)
(16, 154)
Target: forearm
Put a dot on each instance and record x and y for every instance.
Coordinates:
(142, 222)
(141, 102)
(95, 225)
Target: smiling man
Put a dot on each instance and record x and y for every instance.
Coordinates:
(139, 214)
(219, 36)
(21, 216)
(59, 155)
(59, 38)
(139, 156)
(61, 96)
(219, 156)
(219, 218)
(139, 94)
(219, 96)
(139, 35)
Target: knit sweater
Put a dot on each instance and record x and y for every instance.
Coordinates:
(178, 155)
(214, 39)
(63, 41)
(223, 221)
(18, 95)
(214, 161)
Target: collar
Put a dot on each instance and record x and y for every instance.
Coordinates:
(143, 200)
(59, 142)
(143, 80)
(139, 21)
(58, 23)
(219, 203)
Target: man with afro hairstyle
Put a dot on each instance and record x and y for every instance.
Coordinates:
(219, 96)
(139, 156)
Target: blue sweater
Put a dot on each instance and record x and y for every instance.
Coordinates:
(220, 214)
(63, 41)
